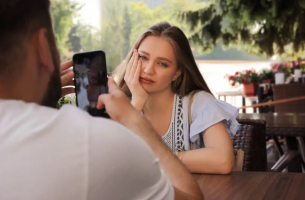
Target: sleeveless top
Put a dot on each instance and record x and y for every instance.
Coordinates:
(206, 111)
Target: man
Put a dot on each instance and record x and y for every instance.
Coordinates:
(66, 154)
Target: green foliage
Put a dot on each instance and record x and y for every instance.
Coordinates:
(111, 38)
(143, 17)
(266, 74)
(62, 12)
(263, 27)
(83, 37)
(68, 99)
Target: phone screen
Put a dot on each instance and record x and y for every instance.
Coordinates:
(90, 80)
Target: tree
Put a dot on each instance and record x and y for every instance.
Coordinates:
(63, 12)
(82, 37)
(126, 31)
(112, 36)
(263, 27)
(74, 40)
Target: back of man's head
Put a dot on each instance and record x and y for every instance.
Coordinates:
(19, 19)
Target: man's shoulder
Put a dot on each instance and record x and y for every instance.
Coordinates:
(21, 108)
(21, 115)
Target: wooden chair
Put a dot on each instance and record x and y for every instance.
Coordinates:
(251, 139)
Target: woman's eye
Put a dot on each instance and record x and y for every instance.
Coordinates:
(142, 57)
(163, 64)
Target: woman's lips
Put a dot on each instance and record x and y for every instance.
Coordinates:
(146, 80)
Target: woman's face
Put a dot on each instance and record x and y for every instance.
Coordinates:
(159, 66)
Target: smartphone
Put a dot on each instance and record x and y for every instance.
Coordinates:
(90, 78)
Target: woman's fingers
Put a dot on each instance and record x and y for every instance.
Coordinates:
(135, 63)
(129, 66)
(138, 71)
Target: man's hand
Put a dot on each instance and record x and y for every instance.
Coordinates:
(116, 103)
(67, 76)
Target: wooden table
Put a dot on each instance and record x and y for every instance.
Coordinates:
(280, 121)
(289, 125)
(252, 185)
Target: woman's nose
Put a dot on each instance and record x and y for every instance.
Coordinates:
(148, 68)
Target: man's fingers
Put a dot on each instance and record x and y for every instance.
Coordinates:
(67, 90)
(66, 78)
(112, 86)
(65, 71)
(70, 83)
(66, 65)
(100, 103)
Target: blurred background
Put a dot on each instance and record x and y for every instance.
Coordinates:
(226, 36)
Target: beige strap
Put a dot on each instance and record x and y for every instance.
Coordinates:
(191, 97)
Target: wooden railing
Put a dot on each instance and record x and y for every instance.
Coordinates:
(274, 102)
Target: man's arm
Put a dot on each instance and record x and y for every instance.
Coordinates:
(120, 110)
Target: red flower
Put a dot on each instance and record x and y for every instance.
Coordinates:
(248, 71)
(245, 79)
(236, 73)
(233, 83)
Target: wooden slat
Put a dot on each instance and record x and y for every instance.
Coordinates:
(274, 102)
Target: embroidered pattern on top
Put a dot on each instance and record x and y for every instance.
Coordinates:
(174, 138)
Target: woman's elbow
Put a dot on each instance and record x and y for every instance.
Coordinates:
(226, 166)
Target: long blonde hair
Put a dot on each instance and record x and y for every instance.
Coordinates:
(190, 78)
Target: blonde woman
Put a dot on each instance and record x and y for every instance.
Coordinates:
(159, 74)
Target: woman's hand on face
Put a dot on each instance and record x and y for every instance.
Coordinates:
(132, 76)
(67, 76)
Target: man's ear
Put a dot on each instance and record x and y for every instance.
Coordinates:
(178, 73)
(44, 52)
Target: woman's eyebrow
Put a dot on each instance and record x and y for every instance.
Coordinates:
(144, 52)
(165, 59)
(160, 58)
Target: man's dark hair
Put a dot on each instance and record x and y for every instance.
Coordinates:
(19, 19)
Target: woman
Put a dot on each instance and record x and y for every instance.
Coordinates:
(159, 74)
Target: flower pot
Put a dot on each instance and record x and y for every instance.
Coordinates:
(267, 81)
(297, 75)
(279, 78)
(249, 89)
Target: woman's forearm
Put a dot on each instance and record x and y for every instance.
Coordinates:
(208, 160)
(138, 104)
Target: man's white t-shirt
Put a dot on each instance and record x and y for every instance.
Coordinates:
(67, 154)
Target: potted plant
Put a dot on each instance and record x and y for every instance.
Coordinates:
(283, 67)
(249, 80)
(266, 76)
(68, 99)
